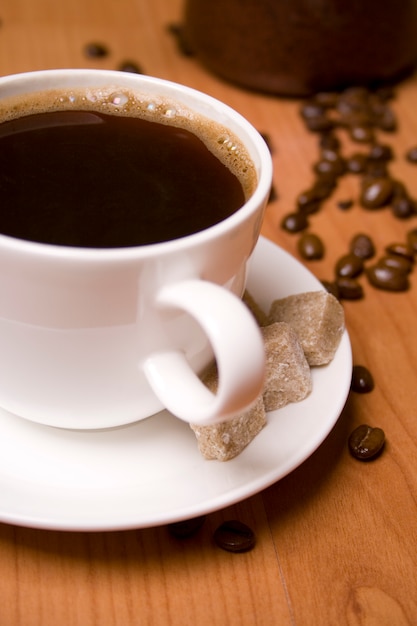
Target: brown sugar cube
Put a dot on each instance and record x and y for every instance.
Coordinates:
(227, 439)
(257, 312)
(288, 375)
(318, 319)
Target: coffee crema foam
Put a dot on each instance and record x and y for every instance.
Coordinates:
(112, 101)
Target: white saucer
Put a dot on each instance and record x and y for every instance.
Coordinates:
(151, 472)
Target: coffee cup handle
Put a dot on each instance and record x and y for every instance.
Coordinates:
(238, 349)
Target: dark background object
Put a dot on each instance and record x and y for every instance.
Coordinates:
(298, 47)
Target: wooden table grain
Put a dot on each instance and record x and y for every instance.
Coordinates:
(336, 538)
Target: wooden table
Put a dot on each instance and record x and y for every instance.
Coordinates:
(336, 538)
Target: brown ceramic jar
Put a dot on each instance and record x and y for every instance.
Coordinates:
(298, 47)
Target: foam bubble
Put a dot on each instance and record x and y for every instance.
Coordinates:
(170, 113)
(118, 99)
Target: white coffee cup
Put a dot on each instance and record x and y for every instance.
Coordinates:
(97, 338)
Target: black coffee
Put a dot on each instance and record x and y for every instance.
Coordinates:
(92, 179)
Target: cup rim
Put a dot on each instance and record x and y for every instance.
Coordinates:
(264, 169)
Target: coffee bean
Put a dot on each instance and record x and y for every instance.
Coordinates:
(324, 185)
(387, 278)
(377, 193)
(401, 249)
(312, 110)
(411, 155)
(349, 266)
(380, 152)
(412, 240)
(366, 443)
(331, 287)
(385, 93)
(130, 66)
(294, 222)
(362, 246)
(307, 198)
(399, 189)
(329, 154)
(349, 289)
(96, 50)
(362, 380)
(357, 163)
(385, 119)
(327, 99)
(329, 141)
(335, 167)
(400, 263)
(345, 204)
(362, 134)
(273, 194)
(186, 528)
(310, 247)
(319, 124)
(234, 536)
(377, 169)
(312, 207)
(403, 207)
(357, 95)
(357, 118)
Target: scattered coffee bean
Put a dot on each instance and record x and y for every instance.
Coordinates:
(362, 246)
(187, 527)
(411, 155)
(329, 154)
(385, 119)
(403, 207)
(334, 166)
(412, 240)
(331, 287)
(362, 379)
(310, 247)
(345, 205)
(349, 289)
(329, 141)
(357, 163)
(307, 198)
(366, 443)
(234, 536)
(324, 185)
(376, 193)
(327, 99)
(399, 189)
(319, 124)
(312, 207)
(362, 134)
(96, 50)
(130, 66)
(401, 249)
(381, 152)
(273, 194)
(377, 169)
(400, 263)
(387, 278)
(312, 109)
(385, 93)
(349, 266)
(294, 222)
